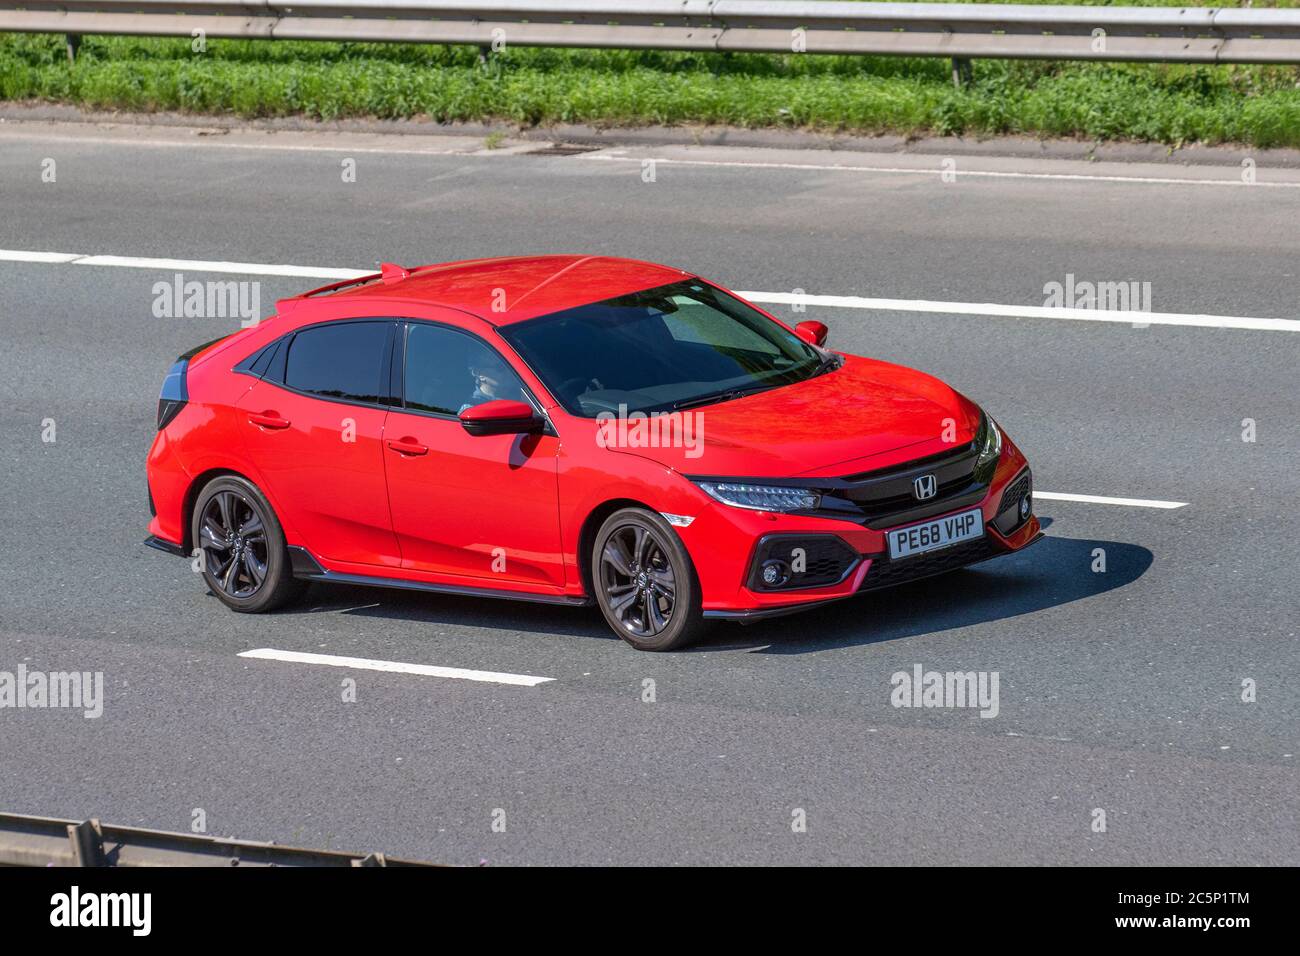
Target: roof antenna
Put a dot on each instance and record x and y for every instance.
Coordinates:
(393, 273)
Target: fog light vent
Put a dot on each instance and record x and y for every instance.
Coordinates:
(785, 562)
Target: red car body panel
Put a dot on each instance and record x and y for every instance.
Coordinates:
(480, 507)
(333, 490)
(510, 513)
(512, 289)
(883, 414)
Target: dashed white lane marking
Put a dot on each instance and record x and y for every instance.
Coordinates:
(394, 667)
(1103, 500)
(936, 170)
(763, 298)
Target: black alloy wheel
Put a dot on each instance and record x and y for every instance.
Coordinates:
(232, 538)
(645, 583)
(241, 547)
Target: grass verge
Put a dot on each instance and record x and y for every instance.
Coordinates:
(1175, 105)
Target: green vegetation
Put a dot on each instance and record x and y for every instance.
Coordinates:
(1165, 104)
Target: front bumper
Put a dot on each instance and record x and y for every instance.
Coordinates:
(730, 547)
(914, 569)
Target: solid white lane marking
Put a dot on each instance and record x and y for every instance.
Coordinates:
(183, 265)
(20, 255)
(1026, 311)
(252, 268)
(394, 667)
(764, 298)
(241, 268)
(935, 171)
(1103, 500)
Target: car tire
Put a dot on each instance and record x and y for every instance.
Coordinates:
(645, 583)
(242, 550)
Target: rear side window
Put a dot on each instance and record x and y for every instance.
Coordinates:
(346, 361)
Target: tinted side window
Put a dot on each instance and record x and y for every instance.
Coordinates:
(448, 371)
(340, 361)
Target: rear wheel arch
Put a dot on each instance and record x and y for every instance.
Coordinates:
(245, 561)
(201, 481)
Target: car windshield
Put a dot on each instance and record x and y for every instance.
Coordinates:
(676, 346)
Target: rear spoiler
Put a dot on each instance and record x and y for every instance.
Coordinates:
(388, 272)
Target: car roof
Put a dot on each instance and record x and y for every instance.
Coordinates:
(501, 290)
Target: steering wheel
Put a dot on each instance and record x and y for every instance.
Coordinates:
(576, 387)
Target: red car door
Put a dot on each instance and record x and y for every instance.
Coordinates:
(315, 427)
(484, 507)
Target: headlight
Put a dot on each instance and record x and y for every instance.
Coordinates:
(988, 440)
(762, 497)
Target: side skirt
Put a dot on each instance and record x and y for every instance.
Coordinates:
(308, 568)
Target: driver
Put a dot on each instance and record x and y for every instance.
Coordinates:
(490, 377)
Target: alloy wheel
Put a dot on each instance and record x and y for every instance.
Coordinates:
(232, 537)
(637, 577)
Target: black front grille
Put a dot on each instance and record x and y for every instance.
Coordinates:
(825, 559)
(886, 497)
(930, 461)
(885, 573)
(889, 508)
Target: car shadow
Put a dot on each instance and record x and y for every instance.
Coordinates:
(1053, 572)
(451, 610)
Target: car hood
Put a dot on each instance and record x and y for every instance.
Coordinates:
(867, 414)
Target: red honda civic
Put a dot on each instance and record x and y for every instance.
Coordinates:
(571, 430)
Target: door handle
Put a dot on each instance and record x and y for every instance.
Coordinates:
(268, 420)
(408, 446)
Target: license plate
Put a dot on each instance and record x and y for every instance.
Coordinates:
(936, 534)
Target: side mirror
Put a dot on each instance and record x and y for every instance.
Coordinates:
(814, 333)
(501, 417)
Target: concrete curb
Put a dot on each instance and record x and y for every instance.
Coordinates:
(1019, 147)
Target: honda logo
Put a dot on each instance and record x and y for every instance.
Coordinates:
(924, 487)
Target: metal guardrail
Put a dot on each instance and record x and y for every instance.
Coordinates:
(46, 841)
(960, 31)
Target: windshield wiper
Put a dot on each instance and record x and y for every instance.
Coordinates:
(707, 399)
(828, 364)
(726, 396)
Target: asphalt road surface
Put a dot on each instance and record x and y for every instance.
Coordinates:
(1119, 690)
